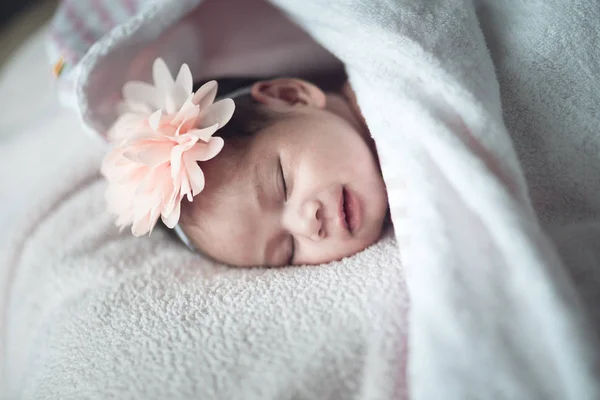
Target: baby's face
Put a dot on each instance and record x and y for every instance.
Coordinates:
(307, 190)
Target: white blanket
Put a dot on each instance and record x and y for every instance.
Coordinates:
(91, 313)
(87, 312)
(493, 310)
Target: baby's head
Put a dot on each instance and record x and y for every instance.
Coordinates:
(297, 182)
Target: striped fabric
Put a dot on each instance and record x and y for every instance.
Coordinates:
(76, 26)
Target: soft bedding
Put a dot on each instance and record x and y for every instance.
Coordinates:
(24, 74)
(89, 312)
(485, 119)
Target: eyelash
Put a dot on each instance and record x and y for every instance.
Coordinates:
(285, 188)
(285, 191)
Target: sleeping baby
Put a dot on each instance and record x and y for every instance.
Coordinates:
(279, 173)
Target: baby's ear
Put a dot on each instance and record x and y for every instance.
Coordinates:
(288, 92)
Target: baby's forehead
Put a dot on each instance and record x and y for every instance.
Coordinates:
(222, 220)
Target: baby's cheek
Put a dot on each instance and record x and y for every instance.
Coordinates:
(312, 175)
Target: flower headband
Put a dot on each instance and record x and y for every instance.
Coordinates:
(162, 132)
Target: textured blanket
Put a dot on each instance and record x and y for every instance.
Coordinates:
(97, 314)
(485, 118)
(88, 312)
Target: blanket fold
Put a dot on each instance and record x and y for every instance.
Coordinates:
(469, 237)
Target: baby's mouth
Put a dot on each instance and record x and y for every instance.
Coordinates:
(345, 209)
(351, 210)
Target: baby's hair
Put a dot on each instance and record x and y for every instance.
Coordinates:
(249, 117)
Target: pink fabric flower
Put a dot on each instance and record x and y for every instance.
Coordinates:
(155, 164)
(140, 99)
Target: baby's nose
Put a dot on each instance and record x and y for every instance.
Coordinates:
(307, 221)
(313, 220)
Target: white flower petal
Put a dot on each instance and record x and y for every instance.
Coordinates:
(154, 215)
(160, 102)
(195, 175)
(187, 106)
(218, 113)
(186, 118)
(170, 103)
(128, 174)
(205, 96)
(204, 134)
(184, 79)
(176, 99)
(186, 188)
(153, 156)
(141, 226)
(154, 120)
(146, 188)
(206, 151)
(171, 196)
(171, 219)
(163, 80)
(176, 161)
(131, 153)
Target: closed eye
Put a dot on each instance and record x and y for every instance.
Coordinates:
(292, 241)
(284, 183)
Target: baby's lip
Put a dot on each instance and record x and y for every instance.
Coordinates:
(341, 211)
(352, 210)
(349, 211)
